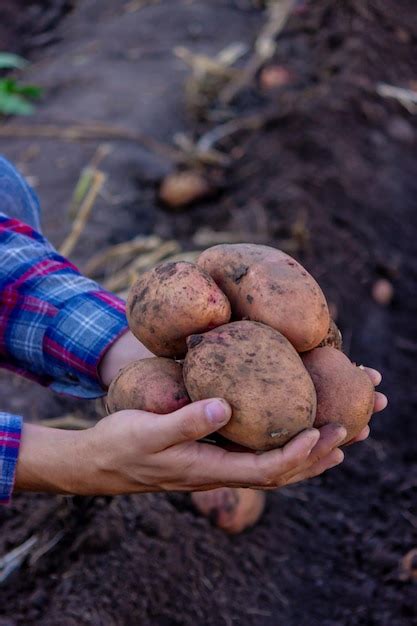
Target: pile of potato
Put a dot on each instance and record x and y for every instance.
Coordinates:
(246, 323)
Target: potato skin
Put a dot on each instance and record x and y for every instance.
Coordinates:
(171, 302)
(333, 337)
(155, 385)
(345, 394)
(257, 370)
(266, 285)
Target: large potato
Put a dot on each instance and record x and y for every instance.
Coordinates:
(266, 285)
(171, 302)
(155, 385)
(345, 393)
(257, 370)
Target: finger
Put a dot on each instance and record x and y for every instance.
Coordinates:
(364, 434)
(335, 457)
(381, 402)
(190, 423)
(331, 436)
(214, 465)
(374, 375)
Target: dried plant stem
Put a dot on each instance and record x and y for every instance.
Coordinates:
(80, 221)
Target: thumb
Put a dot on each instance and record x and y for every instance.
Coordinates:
(190, 423)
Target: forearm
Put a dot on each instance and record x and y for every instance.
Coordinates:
(56, 325)
(85, 462)
(53, 460)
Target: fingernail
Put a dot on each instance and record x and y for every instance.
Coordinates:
(385, 401)
(217, 412)
(314, 437)
(341, 434)
(379, 378)
(339, 458)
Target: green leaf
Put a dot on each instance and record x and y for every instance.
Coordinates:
(10, 61)
(7, 85)
(29, 91)
(14, 104)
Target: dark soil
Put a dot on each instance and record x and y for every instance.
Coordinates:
(26, 24)
(333, 180)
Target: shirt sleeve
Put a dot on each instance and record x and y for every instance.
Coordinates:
(10, 431)
(55, 324)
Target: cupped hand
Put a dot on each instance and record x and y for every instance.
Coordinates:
(135, 451)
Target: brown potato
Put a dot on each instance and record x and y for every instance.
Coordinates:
(256, 369)
(333, 337)
(266, 285)
(171, 302)
(181, 189)
(345, 394)
(155, 385)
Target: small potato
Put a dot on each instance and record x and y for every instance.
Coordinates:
(345, 393)
(180, 189)
(171, 302)
(256, 369)
(155, 385)
(266, 285)
(333, 337)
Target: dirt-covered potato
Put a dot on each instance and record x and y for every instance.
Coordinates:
(333, 337)
(266, 285)
(345, 393)
(155, 385)
(171, 302)
(257, 370)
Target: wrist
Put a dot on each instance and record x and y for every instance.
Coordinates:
(123, 351)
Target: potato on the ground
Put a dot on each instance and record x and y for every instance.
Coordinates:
(180, 189)
(155, 385)
(266, 285)
(257, 370)
(345, 393)
(333, 337)
(171, 302)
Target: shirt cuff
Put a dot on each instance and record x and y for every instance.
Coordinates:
(77, 338)
(10, 434)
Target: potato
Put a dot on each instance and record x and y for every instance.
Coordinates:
(257, 370)
(172, 301)
(333, 337)
(155, 385)
(181, 189)
(266, 285)
(345, 393)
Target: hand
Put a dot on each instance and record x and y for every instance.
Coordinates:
(122, 352)
(134, 451)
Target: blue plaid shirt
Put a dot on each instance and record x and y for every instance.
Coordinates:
(55, 324)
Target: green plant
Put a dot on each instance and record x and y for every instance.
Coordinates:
(15, 98)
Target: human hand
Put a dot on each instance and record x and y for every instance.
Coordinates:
(122, 352)
(135, 451)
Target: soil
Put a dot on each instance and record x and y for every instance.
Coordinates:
(332, 178)
(29, 24)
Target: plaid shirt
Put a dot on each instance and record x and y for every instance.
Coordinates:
(55, 326)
